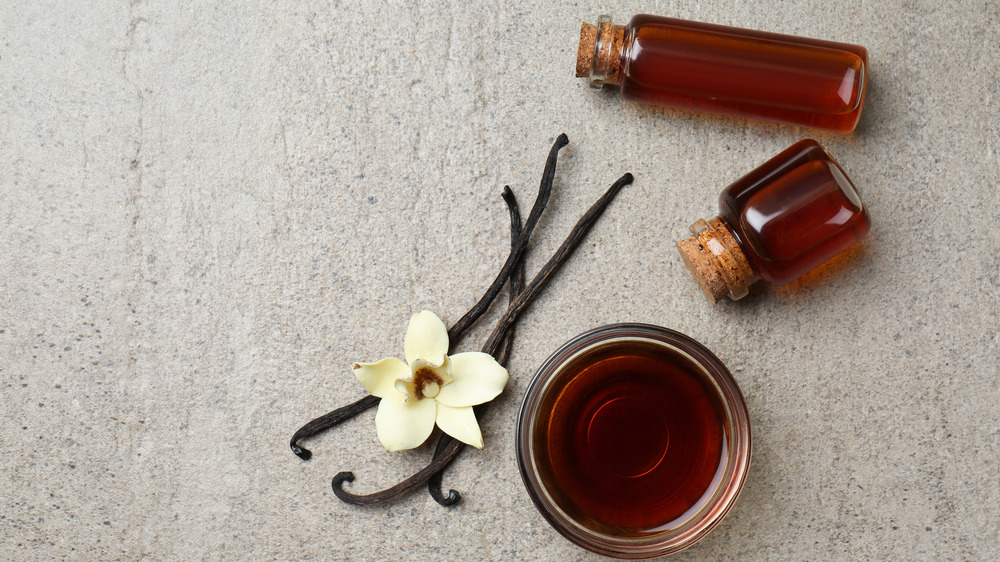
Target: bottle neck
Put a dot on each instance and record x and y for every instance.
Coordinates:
(599, 55)
(716, 260)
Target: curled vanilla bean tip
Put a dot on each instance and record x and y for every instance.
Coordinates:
(419, 479)
(338, 484)
(327, 421)
(453, 497)
(302, 453)
(434, 483)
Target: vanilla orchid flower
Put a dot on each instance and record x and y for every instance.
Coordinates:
(430, 387)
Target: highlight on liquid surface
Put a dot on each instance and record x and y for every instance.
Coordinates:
(631, 439)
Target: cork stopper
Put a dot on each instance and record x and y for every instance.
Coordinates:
(716, 261)
(598, 55)
(585, 52)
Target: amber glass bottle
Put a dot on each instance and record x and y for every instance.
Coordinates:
(796, 211)
(727, 70)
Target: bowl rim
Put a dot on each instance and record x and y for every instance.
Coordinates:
(723, 496)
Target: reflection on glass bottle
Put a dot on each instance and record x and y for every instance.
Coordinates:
(796, 211)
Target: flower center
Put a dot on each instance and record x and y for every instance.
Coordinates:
(426, 383)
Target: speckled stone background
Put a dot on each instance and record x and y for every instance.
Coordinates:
(209, 209)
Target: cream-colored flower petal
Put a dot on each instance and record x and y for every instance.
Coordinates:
(461, 424)
(441, 371)
(426, 338)
(477, 378)
(405, 387)
(404, 425)
(379, 377)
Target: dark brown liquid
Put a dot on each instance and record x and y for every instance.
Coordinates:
(794, 212)
(744, 73)
(630, 438)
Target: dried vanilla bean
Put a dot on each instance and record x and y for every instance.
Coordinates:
(581, 229)
(493, 344)
(447, 446)
(517, 278)
(456, 332)
(516, 286)
(327, 421)
(517, 248)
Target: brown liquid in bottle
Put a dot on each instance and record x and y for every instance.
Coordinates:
(794, 212)
(775, 224)
(743, 73)
(631, 436)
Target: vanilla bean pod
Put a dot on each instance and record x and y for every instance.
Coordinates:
(542, 277)
(327, 421)
(521, 245)
(451, 450)
(517, 276)
(458, 330)
(434, 485)
(448, 445)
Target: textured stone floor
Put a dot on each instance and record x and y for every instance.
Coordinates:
(209, 210)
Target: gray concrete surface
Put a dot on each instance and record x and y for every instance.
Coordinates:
(208, 210)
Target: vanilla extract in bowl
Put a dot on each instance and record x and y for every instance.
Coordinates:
(633, 440)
